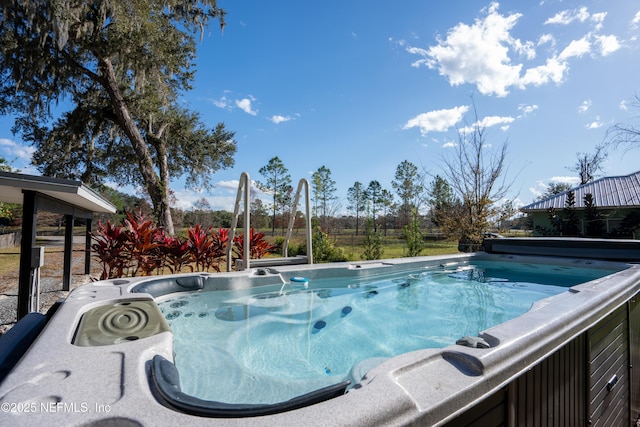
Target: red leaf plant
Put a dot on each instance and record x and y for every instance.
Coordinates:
(205, 248)
(259, 246)
(110, 249)
(143, 244)
(173, 252)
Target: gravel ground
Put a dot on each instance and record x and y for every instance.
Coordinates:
(50, 282)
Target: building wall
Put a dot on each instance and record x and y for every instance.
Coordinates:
(612, 218)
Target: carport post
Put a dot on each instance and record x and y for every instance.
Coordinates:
(87, 248)
(29, 213)
(68, 252)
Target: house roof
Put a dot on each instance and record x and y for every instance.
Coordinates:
(607, 192)
(74, 193)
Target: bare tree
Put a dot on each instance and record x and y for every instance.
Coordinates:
(624, 133)
(476, 173)
(588, 166)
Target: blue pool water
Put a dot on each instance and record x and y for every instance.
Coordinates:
(272, 343)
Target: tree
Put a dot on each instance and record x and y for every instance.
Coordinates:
(554, 189)
(588, 166)
(386, 200)
(4, 165)
(259, 214)
(357, 198)
(324, 189)
(409, 186)
(413, 235)
(122, 67)
(624, 133)
(374, 201)
(372, 242)
(570, 221)
(441, 200)
(594, 223)
(278, 184)
(476, 174)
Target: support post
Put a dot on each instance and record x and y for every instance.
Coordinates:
(29, 214)
(68, 252)
(87, 248)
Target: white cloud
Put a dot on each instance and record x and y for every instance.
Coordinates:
(636, 19)
(595, 124)
(608, 44)
(542, 186)
(15, 150)
(245, 105)
(598, 19)
(547, 38)
(565, 179)
(222, 102)
(488, 122)
(552, 71)
(478, 53)
(527, 109)
(438, 120)
(449, 144)
(487, 55)
(568, 16)
(584, 107)
(280, 119)
(624, 105)
(575, 48)
(481, 54)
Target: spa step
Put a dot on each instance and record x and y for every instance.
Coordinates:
(273, 262)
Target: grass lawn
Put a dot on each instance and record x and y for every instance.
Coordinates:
(393, 244)
(9, 259)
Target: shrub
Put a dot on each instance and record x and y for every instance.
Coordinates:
(137, 247)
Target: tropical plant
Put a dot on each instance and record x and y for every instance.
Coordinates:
(259, 247)
(142, 244)
(205, 250)
(110, 248)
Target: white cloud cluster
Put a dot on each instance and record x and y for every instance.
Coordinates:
(245, 105)
(280, 119)
(566, 17)
(488, 122)
(596, 124)
(584, 107)
(443, 120)
(438, 120)
(487, 55)
(527, 109)
(12, 149)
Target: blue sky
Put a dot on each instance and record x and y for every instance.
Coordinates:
(360, 87)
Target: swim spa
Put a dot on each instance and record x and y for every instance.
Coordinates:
(110, 353)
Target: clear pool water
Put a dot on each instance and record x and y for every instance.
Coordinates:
(272, 343)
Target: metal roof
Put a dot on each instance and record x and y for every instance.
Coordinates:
(607, 192)
(72, 192)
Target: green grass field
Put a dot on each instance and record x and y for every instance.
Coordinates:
(393, 244)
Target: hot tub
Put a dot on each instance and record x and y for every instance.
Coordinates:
(107, 355)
